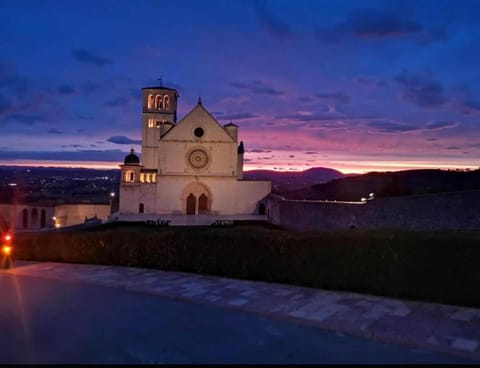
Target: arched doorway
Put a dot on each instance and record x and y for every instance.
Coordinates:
(141, 208)
(43, 218)
(191, 204)
(203, 205)
(196, 199)
(261, 209)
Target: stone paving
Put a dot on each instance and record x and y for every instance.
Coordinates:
(443, 328)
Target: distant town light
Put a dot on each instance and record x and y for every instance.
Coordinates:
(112, 194)
(12, 184)
(54, 218)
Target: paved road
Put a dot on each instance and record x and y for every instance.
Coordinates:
(56, 321)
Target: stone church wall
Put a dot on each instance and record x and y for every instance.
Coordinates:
(40, 217)
(454, 210)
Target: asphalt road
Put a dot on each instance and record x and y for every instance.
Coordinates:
(52, 322)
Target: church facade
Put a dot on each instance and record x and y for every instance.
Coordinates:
(193, 167)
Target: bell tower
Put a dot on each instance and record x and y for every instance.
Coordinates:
(159, 114)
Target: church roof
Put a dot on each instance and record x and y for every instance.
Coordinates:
(131, 159)
(197, 107)
(159, 87)
(231, 124)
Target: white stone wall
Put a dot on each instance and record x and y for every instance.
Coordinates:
(227, 196)
(132, 195)
(173, 158)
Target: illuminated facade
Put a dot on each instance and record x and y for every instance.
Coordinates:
(194, 167)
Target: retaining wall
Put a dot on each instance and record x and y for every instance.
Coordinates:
(453, 210)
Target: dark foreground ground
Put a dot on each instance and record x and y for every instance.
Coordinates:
(62, 313)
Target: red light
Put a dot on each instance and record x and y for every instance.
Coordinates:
(8, 237)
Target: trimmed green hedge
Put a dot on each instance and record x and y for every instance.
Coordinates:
(441, 266)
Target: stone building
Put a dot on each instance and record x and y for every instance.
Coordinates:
(193, 167)
(42, 216)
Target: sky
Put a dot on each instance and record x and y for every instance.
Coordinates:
(355, 86)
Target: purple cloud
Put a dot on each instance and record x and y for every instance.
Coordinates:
(371, 23)
(441, 124)
(54, 131)
(77, 155)
(121, 139)
(390, 127)
(89, 57)
(421, 90)
(257, 87)
(238, 116)
(336, 96)
(28, 119)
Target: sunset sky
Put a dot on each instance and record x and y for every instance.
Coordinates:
(352, 85)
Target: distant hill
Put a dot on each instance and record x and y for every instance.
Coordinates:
(388, 184)
(287, 181)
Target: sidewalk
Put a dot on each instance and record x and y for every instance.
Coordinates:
(443, 328)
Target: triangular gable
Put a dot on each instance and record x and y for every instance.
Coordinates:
(198, 117)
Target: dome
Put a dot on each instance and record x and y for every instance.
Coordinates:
(132, 158)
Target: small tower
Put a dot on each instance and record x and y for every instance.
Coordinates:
(232, 129)
(130, 169)
(240, 152)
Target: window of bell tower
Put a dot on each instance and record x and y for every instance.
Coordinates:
(166, 102)
(158, 102)
(129, 176)
(150, 102)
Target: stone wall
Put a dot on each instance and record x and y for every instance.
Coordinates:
(453, 210)
(20, 217)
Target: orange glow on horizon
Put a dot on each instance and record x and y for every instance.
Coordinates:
(344, 166)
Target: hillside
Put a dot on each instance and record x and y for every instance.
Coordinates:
(387, 184)
(288, 181)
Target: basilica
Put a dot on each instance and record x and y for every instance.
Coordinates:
(192, 167)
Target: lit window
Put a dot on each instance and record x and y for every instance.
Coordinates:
(129, 176)
(142, 178)
(154, 178)
(158, 123)
(148, 178)
(166, 102)
(151, 101)
(151, 123)
(158, 102)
